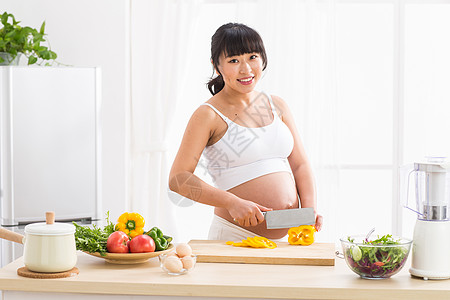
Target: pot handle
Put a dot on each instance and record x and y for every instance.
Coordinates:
(50, 217)
(11, 235)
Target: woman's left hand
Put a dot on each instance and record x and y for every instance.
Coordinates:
(319, 222)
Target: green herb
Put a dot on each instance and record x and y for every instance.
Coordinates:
(93, 239)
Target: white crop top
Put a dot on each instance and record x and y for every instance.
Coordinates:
(245, 153)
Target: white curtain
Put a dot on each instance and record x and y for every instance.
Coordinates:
(160, 32)
(321, 111)
(299, 38)
(301, 45)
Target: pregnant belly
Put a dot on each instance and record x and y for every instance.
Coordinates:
(275, 190)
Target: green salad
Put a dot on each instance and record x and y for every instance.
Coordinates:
(379, 258)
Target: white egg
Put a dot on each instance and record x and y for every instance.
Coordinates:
(172, 253)
(188, 262)
(184, 250)
(173, 264)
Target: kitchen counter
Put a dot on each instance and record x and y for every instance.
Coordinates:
(147, 281)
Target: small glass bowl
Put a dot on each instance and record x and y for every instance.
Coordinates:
(172, 267)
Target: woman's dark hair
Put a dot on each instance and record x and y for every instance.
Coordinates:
(233, 39)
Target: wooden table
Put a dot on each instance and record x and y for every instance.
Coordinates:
(101, 280)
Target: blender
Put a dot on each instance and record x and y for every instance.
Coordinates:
(431, 237)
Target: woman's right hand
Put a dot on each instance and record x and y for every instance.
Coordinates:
(247, 213)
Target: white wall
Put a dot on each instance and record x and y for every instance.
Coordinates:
(92, 33)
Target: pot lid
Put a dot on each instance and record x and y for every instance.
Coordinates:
(49, 229)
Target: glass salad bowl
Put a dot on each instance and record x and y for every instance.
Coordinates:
(375, 257)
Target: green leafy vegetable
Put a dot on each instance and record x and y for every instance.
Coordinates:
(93, 239)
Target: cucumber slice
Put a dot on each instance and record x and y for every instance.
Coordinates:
(356, 253)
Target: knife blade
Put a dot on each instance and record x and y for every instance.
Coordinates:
(287, 218)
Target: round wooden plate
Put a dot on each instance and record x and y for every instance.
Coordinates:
(129, 258)
(30, 274)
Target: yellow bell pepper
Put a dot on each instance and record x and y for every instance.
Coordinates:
(131, 223)
(301, 235)
(255, 242)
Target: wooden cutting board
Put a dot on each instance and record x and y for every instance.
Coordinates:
(321, 254)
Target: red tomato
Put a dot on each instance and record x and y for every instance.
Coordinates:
(142, 243)
(117, 242)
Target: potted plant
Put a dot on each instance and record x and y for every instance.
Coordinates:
(16, 40)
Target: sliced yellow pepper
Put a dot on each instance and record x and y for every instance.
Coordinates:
(254, 242)
(238, 244)
(267, 243)
(301, 235)
(131, 223)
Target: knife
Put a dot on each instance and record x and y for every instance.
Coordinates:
(287, 218)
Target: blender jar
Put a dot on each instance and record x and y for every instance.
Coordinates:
(432, 183)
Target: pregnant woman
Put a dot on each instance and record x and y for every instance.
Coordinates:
(249, 144)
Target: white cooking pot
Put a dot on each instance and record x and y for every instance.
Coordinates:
(49, 247)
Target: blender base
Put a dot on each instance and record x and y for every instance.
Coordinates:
(425, 275)
(431, 250)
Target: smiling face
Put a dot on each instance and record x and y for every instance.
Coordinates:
(238, 54)
(240, 72)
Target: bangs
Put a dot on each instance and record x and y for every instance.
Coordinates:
(240, 40)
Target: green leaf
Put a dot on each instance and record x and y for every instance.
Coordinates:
(38, 48)
(11, 33)
(32, 60)
(42, 30)
(53, 55)
(37, 37)
(13, 19)
(1, 59)
(44, 54)
(5, 18)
